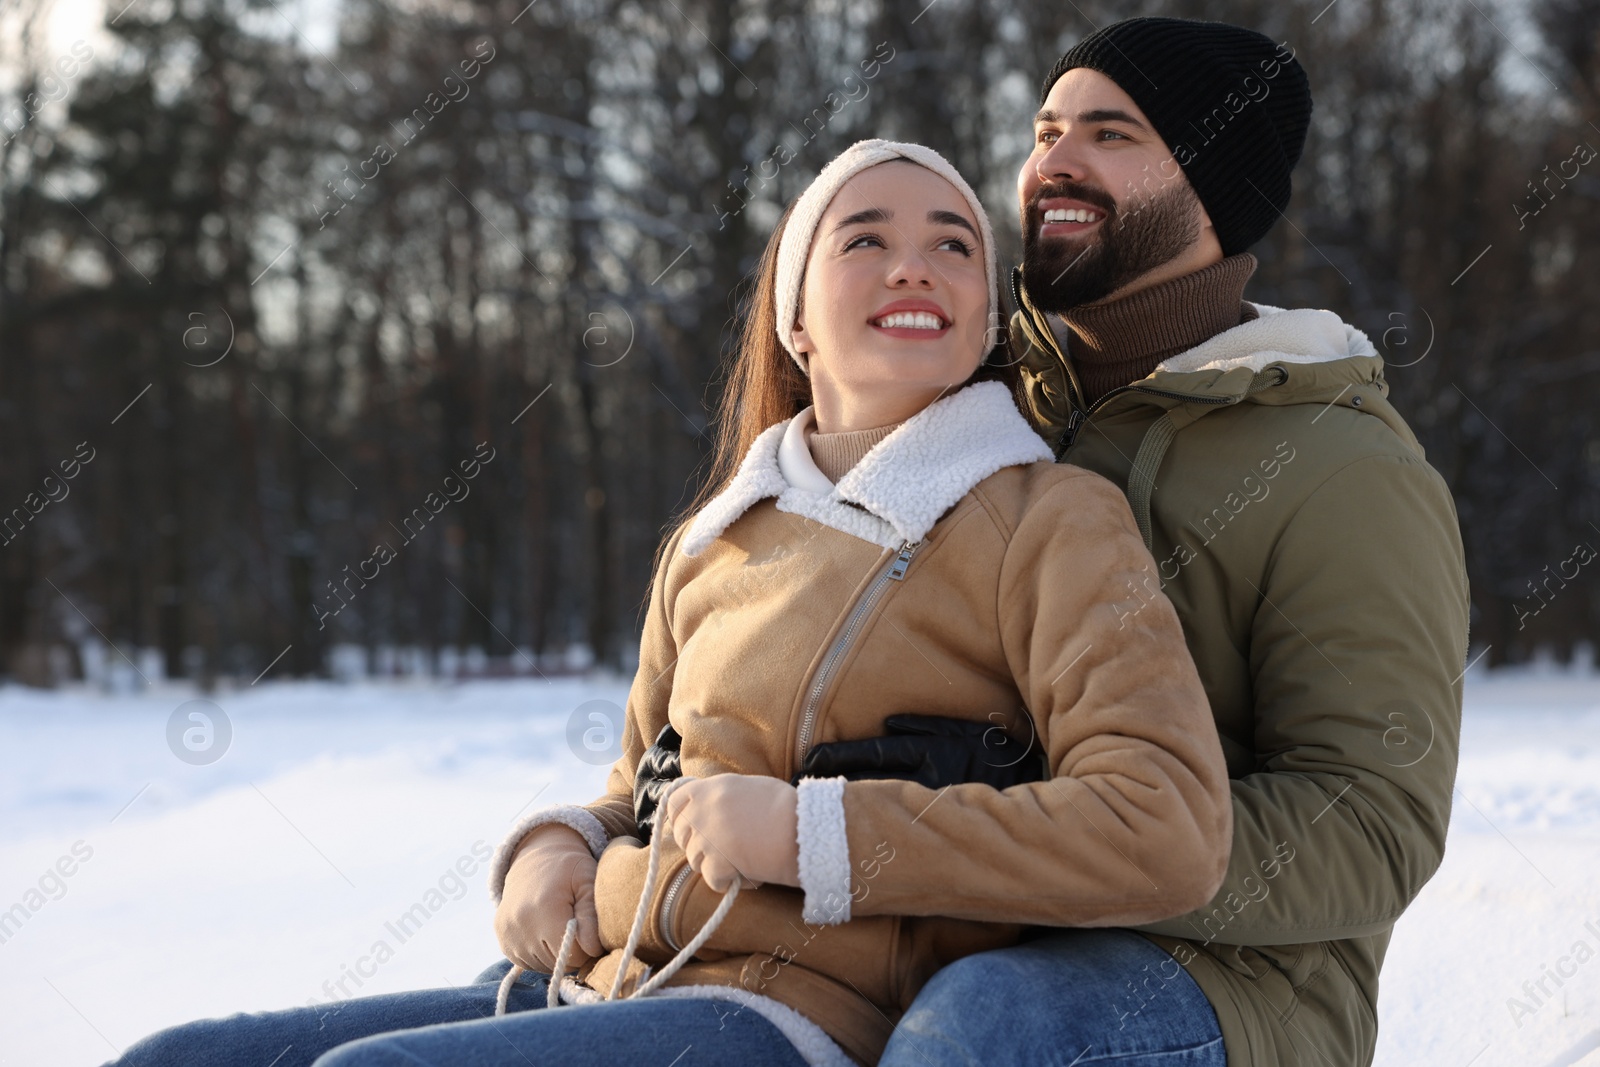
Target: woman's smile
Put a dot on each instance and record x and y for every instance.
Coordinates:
(913, 320)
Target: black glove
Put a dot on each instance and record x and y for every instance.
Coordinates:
(659, 765)
(933, 750)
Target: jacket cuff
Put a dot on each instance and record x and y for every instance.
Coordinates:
(580, 819)
(824, 851)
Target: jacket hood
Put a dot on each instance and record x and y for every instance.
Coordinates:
(1302, 356)
(899, 489)
(1303, 335)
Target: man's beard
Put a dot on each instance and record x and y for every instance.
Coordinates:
(1065, 272)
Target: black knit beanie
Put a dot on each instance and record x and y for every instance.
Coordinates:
(1231, 105)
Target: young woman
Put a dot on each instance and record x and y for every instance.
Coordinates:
(883, 533)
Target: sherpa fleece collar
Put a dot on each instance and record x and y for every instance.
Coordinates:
(1278, 335)
(899, 489)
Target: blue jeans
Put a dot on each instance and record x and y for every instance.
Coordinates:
(1104, 997)
(456, 1027)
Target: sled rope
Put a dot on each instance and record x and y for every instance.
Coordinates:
(686, 953)
(640, 917)
(553, 998)
(505, 989)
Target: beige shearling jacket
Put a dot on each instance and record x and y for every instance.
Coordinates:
(954, 571)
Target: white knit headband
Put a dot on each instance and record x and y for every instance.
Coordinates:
(795, 248)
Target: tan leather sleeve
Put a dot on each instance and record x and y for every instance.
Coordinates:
(646, 712)
(1136, 823)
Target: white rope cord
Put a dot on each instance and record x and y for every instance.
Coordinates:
(505, 989)
(642, 913)
(640, 917)
(553, 998)
(686, 953)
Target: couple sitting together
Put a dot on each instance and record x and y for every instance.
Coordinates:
(1083, 690)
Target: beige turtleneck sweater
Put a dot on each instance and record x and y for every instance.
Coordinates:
(1114, 342)
(835, 453)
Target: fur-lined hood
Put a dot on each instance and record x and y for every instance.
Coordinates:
(1276, 335)
(899, 489)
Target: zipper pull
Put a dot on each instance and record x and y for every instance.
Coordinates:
(1074, 421)
(897, 570)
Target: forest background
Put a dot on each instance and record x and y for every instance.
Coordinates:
(383, 337)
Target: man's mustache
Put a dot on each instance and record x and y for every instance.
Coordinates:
(1069, 190)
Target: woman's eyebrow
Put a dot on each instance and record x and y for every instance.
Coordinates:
(871, 214)
(950, 218)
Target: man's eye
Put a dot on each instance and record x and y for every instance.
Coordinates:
(1113, 133)
(1045, 136)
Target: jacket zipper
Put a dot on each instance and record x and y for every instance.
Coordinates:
(896, 572)
(669, 904)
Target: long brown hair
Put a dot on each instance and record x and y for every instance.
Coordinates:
(764, 386)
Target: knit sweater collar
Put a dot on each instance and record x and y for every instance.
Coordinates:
(836, 453)
(1111, 343)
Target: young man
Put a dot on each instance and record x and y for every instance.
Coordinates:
(1312, 554)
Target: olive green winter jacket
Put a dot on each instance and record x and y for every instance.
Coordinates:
(1315, 561)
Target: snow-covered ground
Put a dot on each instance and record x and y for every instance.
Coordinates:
(338, 847)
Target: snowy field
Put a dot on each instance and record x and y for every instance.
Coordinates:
(154, 890)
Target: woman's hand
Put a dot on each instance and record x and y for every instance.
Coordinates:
(550, 881)
(737, 826)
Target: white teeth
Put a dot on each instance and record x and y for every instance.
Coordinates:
(916, 320)
(1072, 215)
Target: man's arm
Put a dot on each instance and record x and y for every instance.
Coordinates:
(1357, 654)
